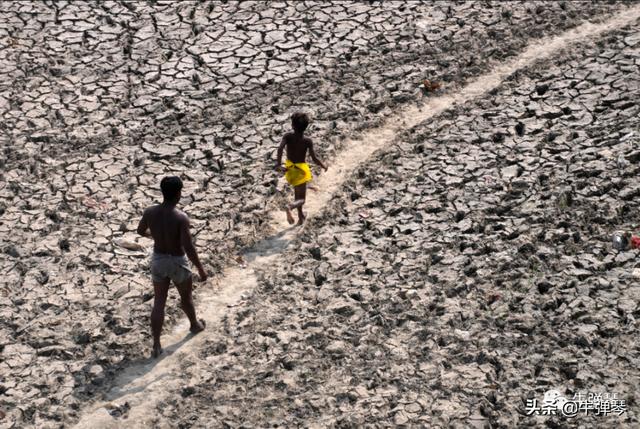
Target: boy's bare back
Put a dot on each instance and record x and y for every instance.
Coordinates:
(297, 146)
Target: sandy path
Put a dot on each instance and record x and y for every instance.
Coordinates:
(146, 384)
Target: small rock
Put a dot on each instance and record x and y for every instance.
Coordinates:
(570, 371)
(128, 244)
(544, 286)
(42, 277)
(315, 253)
(187, 391)
(400, 418)
(11, 250)
(96, 371)
(470, 270)
(82, 338)
(63, 244)
(541, 89)
(119, 411)
(342, 308)
(413, 408)
(337, 348)
(319, 277)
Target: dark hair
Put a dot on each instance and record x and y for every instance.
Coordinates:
(299, 121)
(171, 187)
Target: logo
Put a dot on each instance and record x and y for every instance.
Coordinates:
(599, 404)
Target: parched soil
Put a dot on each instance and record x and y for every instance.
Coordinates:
(467, 269)
(448, 267)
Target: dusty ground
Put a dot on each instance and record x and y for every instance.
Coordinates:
(438, 282)
(463, 271)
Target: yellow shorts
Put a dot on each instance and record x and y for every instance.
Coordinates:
(297, 173)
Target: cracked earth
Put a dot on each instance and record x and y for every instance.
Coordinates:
(464, 268)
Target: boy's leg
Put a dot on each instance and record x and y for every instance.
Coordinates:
(300, 192)
(185, 290)
(289, 216)
(161, 289)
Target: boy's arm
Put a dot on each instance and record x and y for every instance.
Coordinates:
(189, 248)
(312, 153)
(143, 226)
(283, 143)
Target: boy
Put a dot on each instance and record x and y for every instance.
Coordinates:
(169, 228)
(296, 170)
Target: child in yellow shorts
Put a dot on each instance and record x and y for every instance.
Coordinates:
(297, 171)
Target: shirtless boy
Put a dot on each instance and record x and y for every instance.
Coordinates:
(296, 170)
(169, 228)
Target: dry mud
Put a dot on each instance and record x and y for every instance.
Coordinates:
(463, 271)
(459, 225)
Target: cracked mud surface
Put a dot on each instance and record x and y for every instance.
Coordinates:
(464, 271)
(100, 100)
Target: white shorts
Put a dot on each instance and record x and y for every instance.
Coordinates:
(165, 267)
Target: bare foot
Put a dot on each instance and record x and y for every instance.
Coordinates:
(199, 327)
(301, 220)
(157, 351)
(290, 217)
